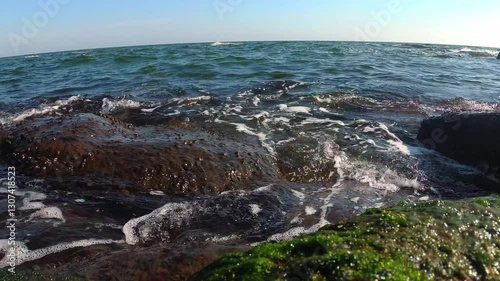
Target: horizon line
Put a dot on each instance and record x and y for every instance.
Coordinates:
(243, 41)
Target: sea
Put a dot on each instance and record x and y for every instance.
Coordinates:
(355, 105)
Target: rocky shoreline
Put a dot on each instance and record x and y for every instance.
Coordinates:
(121, 157)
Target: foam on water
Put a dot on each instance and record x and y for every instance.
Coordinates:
(225, 43)
(378, 127)
(157, 193)
(191, 100)
(255, 209)
(40, 110)
(28, 203)
(149, 110)
(47, 213)
(463, 105)
(23, 254)
(311, 120)
(298, 194)
(108, 105)
(378, 177)
(294, 109)
(138, 230)
(255, 101)
(310, 211)
(249, 131)
(476, 52)
(399, 146)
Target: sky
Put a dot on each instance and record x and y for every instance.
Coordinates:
(38, 26)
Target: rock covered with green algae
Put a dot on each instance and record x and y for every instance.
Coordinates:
(436, 240)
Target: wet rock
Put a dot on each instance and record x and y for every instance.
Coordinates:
(304, 161)
(255, 215)
(473, 139)
(166, 262)
(173, 158)
(498, 57)
(436, 240)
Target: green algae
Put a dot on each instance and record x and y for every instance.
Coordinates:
(436, 240)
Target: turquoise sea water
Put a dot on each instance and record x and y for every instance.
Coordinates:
(156, 73)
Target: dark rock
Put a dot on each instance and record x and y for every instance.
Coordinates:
(175, 158)
(498, 57)
(301, 161)
(166, 261)
(473, 139)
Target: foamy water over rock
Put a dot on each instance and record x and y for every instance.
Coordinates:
(152, 162)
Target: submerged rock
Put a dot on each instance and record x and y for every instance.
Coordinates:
(174, 158)
(435, 240)
(303, 161)
(473, 139)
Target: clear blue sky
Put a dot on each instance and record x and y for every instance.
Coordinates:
(83, 24)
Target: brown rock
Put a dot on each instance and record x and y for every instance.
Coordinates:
(173, 158)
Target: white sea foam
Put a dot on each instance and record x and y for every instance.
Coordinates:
(378, 127)
(219, 239)
(149, 110)
(48, 213)
(255, 101)
(464, 105)
(355, 199)
(294, 109)
(312, 120)
(225, 43)
(40, 110)
(298, 194)
(255, 209)
(139, 229)
(28, 203)
(264, 188)
(476, 52)
(399, 146)
(23, 254)
(191, 100)
(157, 193)
(310, 211)
(108, 106)
(249, 131)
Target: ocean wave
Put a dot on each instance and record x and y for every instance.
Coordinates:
(125, 59)
(109, 106)
(464, 105)
(352, 102)
(191, 100)
(150, 69)
(40, 110)
(225, 43)
(78, 60)
(480, 53)
(275, 87)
